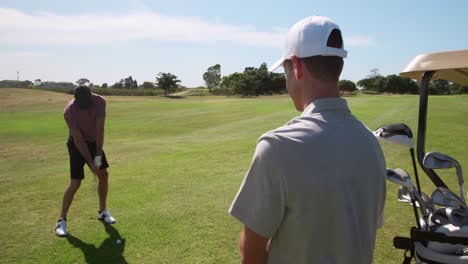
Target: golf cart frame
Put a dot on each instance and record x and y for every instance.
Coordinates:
(451, 66)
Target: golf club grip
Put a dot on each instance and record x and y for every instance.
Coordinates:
(402, 242)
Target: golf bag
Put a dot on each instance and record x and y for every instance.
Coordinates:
(433, 247)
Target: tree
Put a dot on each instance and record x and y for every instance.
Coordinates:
(148, 85)
(118, 85)
(167, 81)
(262, 77)
(212, 77)
(366, 84)
(374, 73)
(239, 83)
(394, 84)
(129, 83)
(277, 83)
(456, 88)
(104, 85)
(83, 81)
(439, 86)
(374, 82)
(346, 86)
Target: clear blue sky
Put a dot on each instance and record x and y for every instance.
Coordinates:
(106, 41)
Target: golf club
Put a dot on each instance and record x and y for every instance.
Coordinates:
(439, 217)
(457, 216)
(437, 160)
(400, 134)
(402, 178)
(405, 197)
(446, 198)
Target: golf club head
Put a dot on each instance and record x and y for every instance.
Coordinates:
(439, 217)
(457, 216)
(446, 198)
(437, 160)
(400, 177)
(395, 133)
(404, 195)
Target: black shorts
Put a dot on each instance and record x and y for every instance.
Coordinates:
(77, 161)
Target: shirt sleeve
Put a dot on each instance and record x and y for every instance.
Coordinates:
(260, 203)
(383, 193)
(70, 119)
(101, 109)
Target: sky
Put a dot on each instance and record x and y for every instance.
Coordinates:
(106, 41)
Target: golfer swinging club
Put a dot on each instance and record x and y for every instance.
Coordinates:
(315, 190)
(85, 116)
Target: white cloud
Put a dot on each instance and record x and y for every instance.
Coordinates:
(23, 54)
(19, 28)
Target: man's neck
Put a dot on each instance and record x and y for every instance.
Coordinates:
(319, 90)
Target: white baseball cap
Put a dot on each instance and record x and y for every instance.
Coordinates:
(308, 38)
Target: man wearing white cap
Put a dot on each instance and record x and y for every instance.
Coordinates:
(315, 190)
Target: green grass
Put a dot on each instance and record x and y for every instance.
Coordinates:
(176, 165)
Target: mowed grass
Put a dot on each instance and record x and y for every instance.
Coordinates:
(176, 165)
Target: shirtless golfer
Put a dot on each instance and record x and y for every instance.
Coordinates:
(85, 115)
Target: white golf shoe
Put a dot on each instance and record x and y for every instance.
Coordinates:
(61, 228)
(106, 217)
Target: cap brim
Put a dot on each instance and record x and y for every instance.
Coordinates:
(276, 65)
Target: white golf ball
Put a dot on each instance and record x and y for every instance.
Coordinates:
(118, 241)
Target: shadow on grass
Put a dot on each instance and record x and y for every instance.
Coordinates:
(174, 96)
(108, 252)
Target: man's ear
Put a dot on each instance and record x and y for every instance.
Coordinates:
(297, 67)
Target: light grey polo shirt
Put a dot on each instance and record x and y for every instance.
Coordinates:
(316, 187)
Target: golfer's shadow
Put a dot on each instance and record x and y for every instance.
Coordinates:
(108, 252)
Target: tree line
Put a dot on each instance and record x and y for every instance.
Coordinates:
(395, 84)
(251, 82)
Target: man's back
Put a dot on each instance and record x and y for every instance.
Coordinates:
(331, 176)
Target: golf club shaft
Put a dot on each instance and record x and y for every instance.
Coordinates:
(413, 159)
(460, 181)
(416, 215)
(462, 193)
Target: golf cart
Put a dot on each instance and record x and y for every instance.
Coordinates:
(441, 235)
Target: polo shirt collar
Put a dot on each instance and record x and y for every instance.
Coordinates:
(326, 104)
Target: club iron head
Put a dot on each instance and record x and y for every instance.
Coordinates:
(457, 216)
(437, 160)
(439, 217)
(404, 195)
(395, 133)
(400, 177)
(446, 198)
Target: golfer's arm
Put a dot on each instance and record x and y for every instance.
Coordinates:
(99, 136)
(81, 145)
(253, 247)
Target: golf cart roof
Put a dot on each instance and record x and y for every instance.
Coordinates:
(449, 65)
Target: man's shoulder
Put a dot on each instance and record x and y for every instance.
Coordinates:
(295, 128)
(69, 107)
(98, 98)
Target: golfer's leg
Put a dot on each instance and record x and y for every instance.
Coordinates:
(102, 188)
(68, 196)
